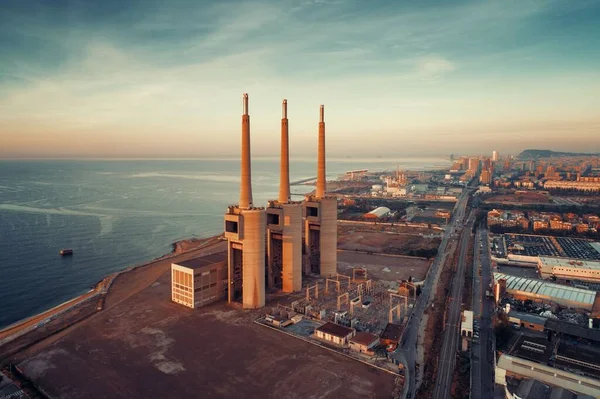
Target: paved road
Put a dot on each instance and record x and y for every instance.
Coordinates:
(443, 382)
(482, 361)
(406, 353)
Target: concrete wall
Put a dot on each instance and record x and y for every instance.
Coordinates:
(253, 295)
(292, 247)
(328, 241)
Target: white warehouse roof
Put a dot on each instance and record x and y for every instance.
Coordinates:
(568, 262)
(381, 211)
(558, 292)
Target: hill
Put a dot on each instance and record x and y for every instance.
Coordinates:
(535, 154)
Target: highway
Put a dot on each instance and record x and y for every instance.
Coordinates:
(406, 352)
(482, 361)
(447, 359)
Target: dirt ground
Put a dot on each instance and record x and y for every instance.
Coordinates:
(525, 198)
(147, 347)
(383, 267)
(364, 238)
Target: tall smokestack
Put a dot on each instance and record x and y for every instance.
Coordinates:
(321, 157)
(246, 186)
(284, 174)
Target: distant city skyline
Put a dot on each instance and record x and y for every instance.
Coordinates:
(430, 78)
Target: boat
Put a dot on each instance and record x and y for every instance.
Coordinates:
(65, 252)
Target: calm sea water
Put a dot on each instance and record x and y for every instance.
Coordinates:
(115, 214)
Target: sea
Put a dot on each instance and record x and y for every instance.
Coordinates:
(119, 213)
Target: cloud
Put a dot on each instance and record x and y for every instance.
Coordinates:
(136, 73)
(434, 66)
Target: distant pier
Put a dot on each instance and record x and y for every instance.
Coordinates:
(303, 181)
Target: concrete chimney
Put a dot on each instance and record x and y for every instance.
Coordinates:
(321, 181)
(284, 174)
(246, 186)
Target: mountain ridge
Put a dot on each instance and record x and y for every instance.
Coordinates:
(535, 154)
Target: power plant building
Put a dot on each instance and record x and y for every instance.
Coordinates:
(200, 281)
(245, 229)
(320, 219)
(284, 226)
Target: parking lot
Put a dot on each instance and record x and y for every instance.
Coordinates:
(578, 248)
(529, 245)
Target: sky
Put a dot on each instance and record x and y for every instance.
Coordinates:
(397, 78)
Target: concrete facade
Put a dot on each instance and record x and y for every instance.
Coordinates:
(569, 269)
(320, 219)
(284, 226)
(200, 281)
(245, 230)
(511, 366)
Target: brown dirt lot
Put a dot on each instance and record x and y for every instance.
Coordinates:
(372, 239)
(525, 198)
(148, 347)
(398, 267)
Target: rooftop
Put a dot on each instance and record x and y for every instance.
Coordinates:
(380, 211)
(203, 261)
(575, 330)
(364, 338)
(467, 319)
(545, 288)
(335, 329)
(528, 317)
(569, 262)
(392, 332)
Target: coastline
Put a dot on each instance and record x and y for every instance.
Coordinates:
(100, 290)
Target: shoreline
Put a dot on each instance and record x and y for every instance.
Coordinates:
(100, 289)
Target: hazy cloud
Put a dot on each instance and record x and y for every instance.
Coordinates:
(166, 78)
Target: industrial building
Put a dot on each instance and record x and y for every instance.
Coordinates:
(245, 230)
(568, 269)
(533, 389)
(363, 342)
(515, 367)
(542, 291)
(527, 320)
(390, 337)
(377, 213)
(200, 281)
(334, 333)
(284, 226)
(466, 324)
(320, 219)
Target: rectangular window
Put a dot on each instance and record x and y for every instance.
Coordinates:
(312, 211)
(272, 218)
(231, 226)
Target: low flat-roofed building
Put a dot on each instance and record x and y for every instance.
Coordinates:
(527, 320)
(378, 213)
(514, 367)
(363, 342)
(569, 269)
(573, 330)
(199, 281)
(391, 335)
(527, 388)
(334, 333)
(543, 291)
(466, 324)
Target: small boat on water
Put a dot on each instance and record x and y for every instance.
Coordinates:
(65, 252)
